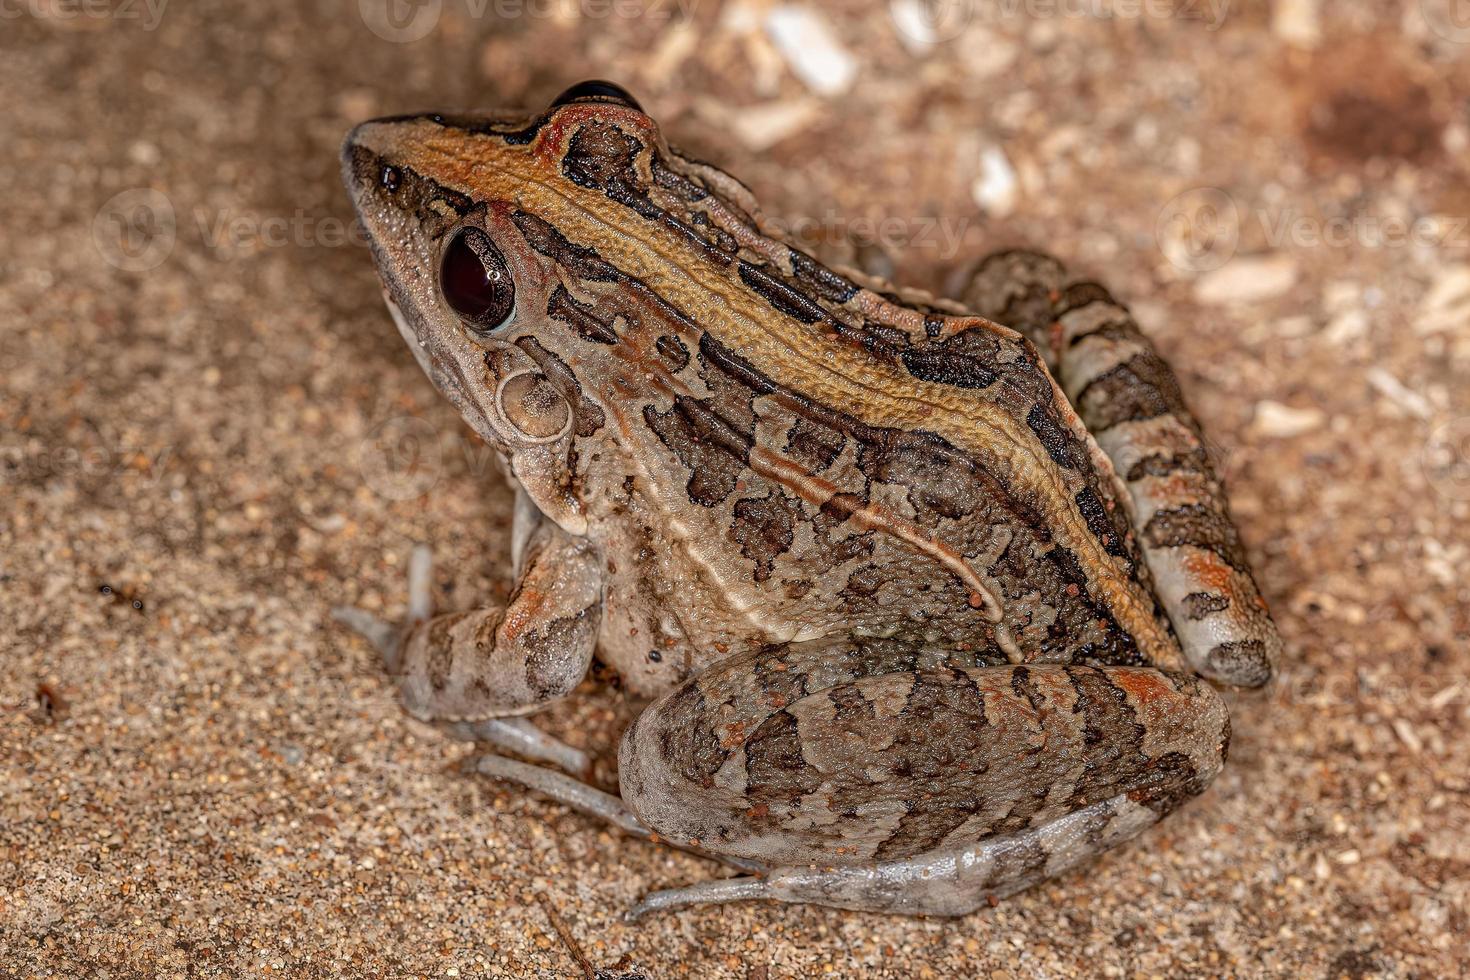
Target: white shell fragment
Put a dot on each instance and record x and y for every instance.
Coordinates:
(811, 51)
(1247, 280)
(996, 189)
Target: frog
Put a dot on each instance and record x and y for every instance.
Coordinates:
(925, 599)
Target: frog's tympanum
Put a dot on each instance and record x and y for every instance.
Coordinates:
(926, 595)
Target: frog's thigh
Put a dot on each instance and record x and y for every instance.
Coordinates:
(497, 661)
(923, 791)
(1129, 399)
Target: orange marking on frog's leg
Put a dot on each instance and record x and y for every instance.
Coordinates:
(500, 661)
(1208, 570)
(1146, 687)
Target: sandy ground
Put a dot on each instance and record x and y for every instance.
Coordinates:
(206, 411)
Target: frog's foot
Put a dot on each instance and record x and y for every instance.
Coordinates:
(950, 882)
(503, 659)
(385, 637)
(583, 798)
(515, 735)
(521, 737)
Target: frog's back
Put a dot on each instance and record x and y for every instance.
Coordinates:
(805, 455)
(791, 453)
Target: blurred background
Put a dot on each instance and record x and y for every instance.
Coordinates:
(210, 433)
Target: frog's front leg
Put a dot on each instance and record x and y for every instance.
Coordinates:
(466, 669)
(921, 787)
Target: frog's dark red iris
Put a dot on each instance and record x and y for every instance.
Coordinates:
(476, 282)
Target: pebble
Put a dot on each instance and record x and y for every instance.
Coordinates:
(996, 189)
(1297, 22)
(1247, 280)
(760, 127)
(811, 51)
(1346, 326)
(1397, 392)
(1446, 307)
(914, 24)
(1282, 421)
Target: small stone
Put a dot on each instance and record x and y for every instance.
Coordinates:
(1300, 325)
(678, 43)
(1283, 421)
(1407, 735)
(1446, 307)
(1297, 22)
(915, 25)
(1247, 280)
(1349, 325)
(761, 127)
(1397, 392)
(144, 153)
(812, 53)
(996, 189)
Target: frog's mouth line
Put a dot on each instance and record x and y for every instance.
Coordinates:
(445, 373)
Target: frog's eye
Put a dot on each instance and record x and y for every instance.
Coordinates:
(476, 282)
(596, 90)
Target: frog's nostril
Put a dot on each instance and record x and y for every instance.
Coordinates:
(596, 90)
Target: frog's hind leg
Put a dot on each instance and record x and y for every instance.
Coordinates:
(584, 798)
(947, 882)
(1129, 400)
(923, 784)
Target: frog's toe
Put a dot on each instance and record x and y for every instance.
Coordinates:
(420, 572)
(744, 888)
(385, 637)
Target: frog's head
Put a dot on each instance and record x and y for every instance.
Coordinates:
(480, 230)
